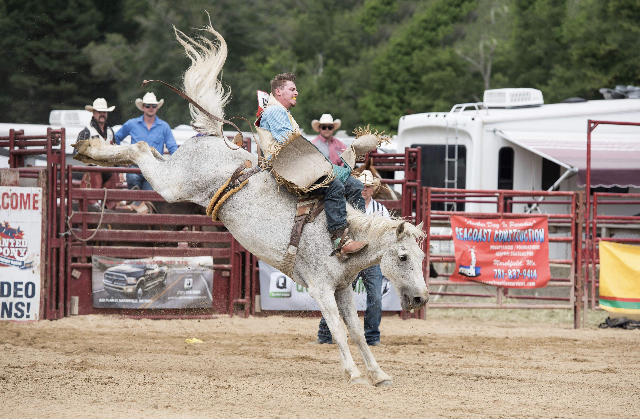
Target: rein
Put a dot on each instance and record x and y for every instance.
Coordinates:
(237, 141)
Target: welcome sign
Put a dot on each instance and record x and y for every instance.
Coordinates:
(20, 241)
(510, 253)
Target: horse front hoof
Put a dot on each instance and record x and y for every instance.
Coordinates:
(385, 383)
(360, 381)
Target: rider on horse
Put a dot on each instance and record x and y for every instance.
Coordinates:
(283, 145)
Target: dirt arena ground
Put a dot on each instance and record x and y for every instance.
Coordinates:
(457, 364)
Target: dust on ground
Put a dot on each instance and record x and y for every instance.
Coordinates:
(456, 364)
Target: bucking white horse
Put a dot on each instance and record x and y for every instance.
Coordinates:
(260, 216)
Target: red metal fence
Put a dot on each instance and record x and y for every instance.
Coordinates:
(236, 282)
(51, 145)
(619, 228)
(567, 220)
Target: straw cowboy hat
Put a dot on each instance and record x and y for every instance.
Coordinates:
(367, 179)
(99, 105)
(148, 99)
(325, 119)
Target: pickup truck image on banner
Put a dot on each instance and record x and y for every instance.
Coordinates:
(167, 282)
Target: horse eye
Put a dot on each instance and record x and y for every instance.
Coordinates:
(403, 257)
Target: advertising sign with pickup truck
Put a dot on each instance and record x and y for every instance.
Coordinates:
(152, 283)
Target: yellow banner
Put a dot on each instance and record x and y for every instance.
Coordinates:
(619, 277)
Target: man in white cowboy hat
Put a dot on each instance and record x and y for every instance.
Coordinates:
(150, 129)
(371, 277)
(98, 128)
(276, 127)
(328, 145)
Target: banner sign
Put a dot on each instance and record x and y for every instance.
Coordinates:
(619, 277)
(510, 253)
(279, 292)
(152, 283)
(20, 252)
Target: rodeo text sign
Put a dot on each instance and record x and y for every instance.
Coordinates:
(510, 253)
(20, 241)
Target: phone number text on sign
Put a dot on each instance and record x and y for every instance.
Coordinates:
(510, 253)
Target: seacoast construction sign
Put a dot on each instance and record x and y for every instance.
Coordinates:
(510, 253)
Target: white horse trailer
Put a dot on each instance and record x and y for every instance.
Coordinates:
(513, 140)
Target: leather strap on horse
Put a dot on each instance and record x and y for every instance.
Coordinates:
(238, 179)
(306, 211)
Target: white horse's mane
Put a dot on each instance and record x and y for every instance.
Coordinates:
(373, 228)
(201, 82)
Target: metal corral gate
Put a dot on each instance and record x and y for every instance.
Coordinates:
(179, 230)
(564, 290)
(51, 179)
(612, 228)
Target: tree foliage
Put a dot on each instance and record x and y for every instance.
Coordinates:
(363, 61)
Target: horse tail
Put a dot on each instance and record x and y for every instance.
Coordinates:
(201, 82)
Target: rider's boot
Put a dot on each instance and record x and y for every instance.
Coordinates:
(344, 245)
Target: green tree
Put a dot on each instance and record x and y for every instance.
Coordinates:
(603, 49)
(44, 68)
(418, 69)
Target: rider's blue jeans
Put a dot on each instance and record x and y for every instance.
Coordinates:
(372, 278)
(336, 196)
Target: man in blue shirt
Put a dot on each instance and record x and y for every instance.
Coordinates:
(150, 129)
(278, 121)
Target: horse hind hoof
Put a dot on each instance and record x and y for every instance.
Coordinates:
(384, 383)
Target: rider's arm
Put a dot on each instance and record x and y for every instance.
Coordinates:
(276, 120)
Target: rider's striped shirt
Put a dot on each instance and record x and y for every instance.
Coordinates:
(376, 208)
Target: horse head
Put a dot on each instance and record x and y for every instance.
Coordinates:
(395, 243)
(402, 264)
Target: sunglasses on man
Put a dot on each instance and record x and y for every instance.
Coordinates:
(326, 127)
(150, 106)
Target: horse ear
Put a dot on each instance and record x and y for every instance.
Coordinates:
(420, 226)
(400, 230)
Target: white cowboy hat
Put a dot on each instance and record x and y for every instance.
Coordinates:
(325, 119)
(367, 179)
(148, 99)
(99, 105)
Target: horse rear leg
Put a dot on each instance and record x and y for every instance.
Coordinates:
(98, 152)
(346, 303)
(327, 302)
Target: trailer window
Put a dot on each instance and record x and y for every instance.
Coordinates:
(505, 168)
(550, 174)
(433, 164)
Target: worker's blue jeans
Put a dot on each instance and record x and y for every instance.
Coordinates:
(136, 179)
(372, 278)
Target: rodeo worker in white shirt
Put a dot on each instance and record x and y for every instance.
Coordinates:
(371, 277)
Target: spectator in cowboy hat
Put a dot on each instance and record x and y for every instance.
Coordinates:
(98, 128)
(371, 276)
(150, 129)
(328, 145)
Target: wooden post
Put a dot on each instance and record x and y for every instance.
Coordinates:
(9, 177)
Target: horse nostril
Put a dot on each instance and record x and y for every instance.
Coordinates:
(417, 300)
